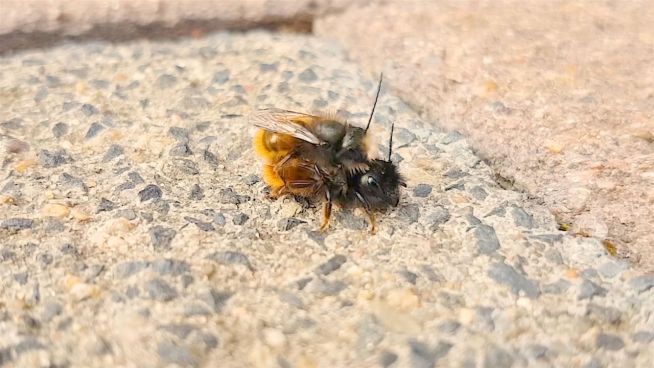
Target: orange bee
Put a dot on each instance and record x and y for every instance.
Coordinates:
(323, 158)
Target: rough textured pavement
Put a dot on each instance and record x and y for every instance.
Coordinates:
(76, 18)
(136, 231)
(556, 95)
(42, 23)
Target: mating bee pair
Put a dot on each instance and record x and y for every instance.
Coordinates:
(323, 158)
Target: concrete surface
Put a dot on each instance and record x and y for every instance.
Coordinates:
(136, 231)
(557, 96)
(77, 17)
(44, 23)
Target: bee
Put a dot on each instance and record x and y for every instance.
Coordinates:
(323, 158)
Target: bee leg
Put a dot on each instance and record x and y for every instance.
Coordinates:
(373, 222)
(371, 215)
(326, 211)
(276, 193)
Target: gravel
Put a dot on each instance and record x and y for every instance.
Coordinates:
(94, 130)
(17, 224)
(160, 290)
(422, 190)
(161, 237)
(151, 191)
(53, 159)
(642, 283)
(231, 257)
(331, 265)
(609, 342)
(589, 289)
(486, 239)
(308, 75)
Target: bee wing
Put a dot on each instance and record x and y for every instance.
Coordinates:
(285, 122)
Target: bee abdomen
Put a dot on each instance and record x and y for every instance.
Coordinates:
(273, 146)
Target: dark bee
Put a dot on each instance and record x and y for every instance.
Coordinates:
(323, 158)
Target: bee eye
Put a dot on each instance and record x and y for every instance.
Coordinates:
(372, 181)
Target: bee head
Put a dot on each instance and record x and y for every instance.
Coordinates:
(379, 187)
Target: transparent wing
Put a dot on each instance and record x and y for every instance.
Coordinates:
(285, 122)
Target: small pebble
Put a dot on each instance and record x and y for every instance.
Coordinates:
(452, 137)
(219, 219)
(135, 178)
(180, 134)
(161, 237)
(178, 355)
(609, 342)
(331, 265)
(308, 75)
(231, 257)
(240, 218)
(89, 109)
(496, 357)
(589, 289)
(216, 300)
(186, 166)
(268, 67)
(643, 337)
(80, 214)
(204, 226)
(166, 81)
(287, 223)
(129, 268)
(487, 241)
(170, 267)
(220, 77)
(93, 130)
(160, 290)
(196, 192)
(114, 151)
(507, 275)
(105, 205)
(151, 191)
(252, 179)
(642, 283)
(53, 159)
(181, 149)
(16, 224)
(387, 359)
(479, 193)
(55, 210)
(410, 213)
(522, 218)
(422, 190)
(60, 129)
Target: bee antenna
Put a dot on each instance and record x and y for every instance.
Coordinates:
(390, 143)
(381, 76)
